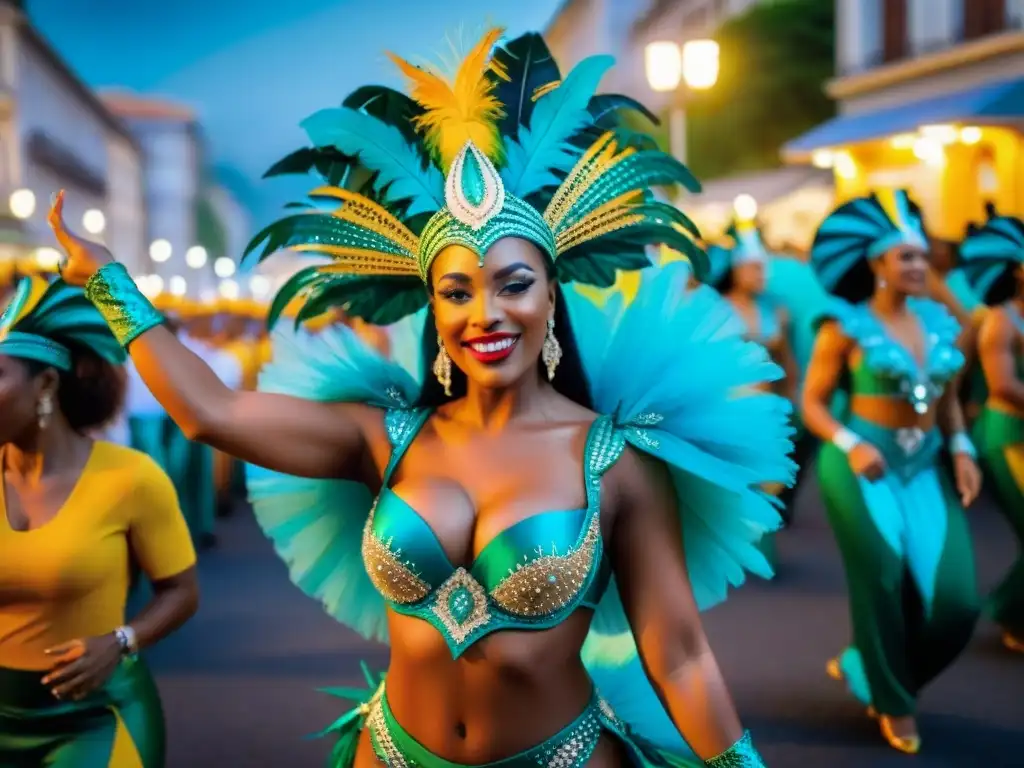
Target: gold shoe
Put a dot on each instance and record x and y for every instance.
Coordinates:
(1012, 643)
(908, 745)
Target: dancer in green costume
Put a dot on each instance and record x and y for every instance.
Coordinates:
(993, 257)
(560, 478)
(893, 494)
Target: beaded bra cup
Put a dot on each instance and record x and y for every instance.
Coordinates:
(532, 575)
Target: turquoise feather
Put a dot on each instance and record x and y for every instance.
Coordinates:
(401, 175)
(542, 153)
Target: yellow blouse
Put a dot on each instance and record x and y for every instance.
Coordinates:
(70, 577)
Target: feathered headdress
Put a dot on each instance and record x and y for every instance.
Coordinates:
(45, 314)
(991, 250)
(742, 244)
(863, 229)
(504, 148)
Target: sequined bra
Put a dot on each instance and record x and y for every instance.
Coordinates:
(532, 575)
(888, 368)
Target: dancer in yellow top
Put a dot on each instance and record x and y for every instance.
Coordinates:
(76, 516)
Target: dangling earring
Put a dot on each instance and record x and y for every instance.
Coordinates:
(881, 282)
(44, 410)
(551, 352)
(443, 367)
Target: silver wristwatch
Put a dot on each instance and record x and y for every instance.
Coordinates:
(126, 639)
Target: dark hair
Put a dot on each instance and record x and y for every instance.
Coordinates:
(1003, 288)
(570, 380)
(92, 393)
(858, 284)
(726, 282)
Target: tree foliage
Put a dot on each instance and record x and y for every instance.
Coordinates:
(775, 60)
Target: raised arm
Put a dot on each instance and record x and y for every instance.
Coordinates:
(995, 350)
(650, 570)
(299, 437)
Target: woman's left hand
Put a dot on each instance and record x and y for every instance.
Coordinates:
(968, 478)
(82, 666)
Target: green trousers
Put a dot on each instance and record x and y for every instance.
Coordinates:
(119, 726)
(903, 635)
(1000, 440)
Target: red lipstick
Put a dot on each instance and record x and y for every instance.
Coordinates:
(492, 347)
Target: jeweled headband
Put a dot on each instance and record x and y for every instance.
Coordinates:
(42, 310)
(505, 147)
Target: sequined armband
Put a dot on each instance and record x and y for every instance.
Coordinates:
(740, 755)
(128, 313)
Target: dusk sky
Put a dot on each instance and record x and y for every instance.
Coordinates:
(254, 68)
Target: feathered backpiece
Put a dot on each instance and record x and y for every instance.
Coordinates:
(990, 251)
(504, 147)
(863, 229)
(46, 314)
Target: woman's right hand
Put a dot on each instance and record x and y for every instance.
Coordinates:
(82, 257)
(867, 461)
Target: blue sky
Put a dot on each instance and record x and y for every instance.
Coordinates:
(254, 68)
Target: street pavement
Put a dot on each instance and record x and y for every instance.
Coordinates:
(239, 681)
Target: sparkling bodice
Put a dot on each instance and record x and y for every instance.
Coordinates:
(886, 367)
(532, 575)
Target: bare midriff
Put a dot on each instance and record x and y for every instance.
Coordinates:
(891, 412)
(506, 694)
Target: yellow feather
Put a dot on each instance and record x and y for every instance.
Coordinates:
(459, 111)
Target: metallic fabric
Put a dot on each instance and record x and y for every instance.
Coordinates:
(742, 754)
(128, 313)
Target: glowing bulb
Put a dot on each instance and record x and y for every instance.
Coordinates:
(196, 257)
(22, 203)
(971, 134)
(229, 289)
(700, 64)
(941, 134)
(745, 206)
(260, 286)
(846, 167)
(160, 251)
(178, 285)
(929, 151)
(47, 258)
(663, 62)
(94, 221)
(903, 141)
(224, 267)
(822, 158)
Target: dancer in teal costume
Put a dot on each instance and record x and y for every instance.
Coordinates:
(737, 273)
(477, 200)
(993, 257)
(894, 506)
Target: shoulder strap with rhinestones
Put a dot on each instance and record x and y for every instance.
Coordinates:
(605, 444)
(402, 426)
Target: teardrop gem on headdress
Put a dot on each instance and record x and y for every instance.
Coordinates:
(473, 191)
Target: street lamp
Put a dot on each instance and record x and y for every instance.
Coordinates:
(22, 203)
(745, 206)
(94, 221)
(160, 251)
(196, 257)
(668, 66)
(224, 267)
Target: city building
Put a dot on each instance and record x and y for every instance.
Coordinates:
(930, 98)
(56, 134)
(169, 136)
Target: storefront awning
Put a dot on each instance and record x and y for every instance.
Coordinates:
(991, 104)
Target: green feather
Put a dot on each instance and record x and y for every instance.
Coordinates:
(377, 299)
(529, 65)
